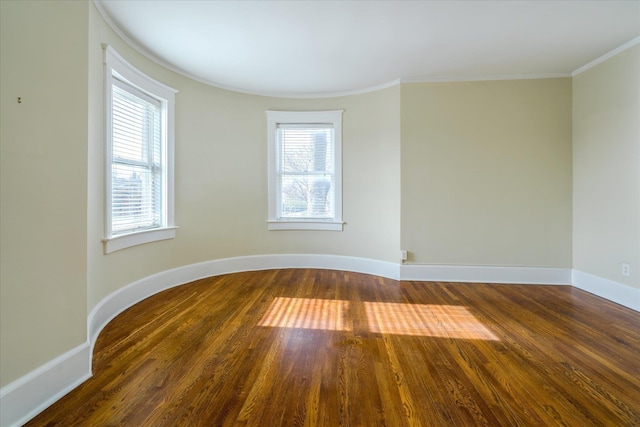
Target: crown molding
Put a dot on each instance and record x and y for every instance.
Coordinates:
(482, 78)
(606, 56)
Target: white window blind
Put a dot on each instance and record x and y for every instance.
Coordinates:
(306, 171)
(136, 164)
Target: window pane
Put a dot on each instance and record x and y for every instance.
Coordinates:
(135, 126)
(306, 149)
(136, 174)
(307, 196)
(135, 198)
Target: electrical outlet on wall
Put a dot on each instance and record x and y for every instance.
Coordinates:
(404, 255)
(626, 269)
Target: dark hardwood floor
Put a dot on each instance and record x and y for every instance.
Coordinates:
(330, 348)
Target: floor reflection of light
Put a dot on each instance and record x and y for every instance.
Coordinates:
(307, 313)
(447, 321)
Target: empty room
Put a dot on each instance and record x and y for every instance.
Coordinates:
(319, 213)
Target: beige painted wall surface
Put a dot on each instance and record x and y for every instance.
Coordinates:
(43, 182)
(221, 177)
(222, 190)
(486, 173)
(107, 273)
(606, 158)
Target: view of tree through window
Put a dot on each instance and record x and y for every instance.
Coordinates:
(306, 171)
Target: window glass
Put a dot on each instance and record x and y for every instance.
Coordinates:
(305, 170)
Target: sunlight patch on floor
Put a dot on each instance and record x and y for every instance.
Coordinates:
(432, 320)
(307, 313)
(446, 321)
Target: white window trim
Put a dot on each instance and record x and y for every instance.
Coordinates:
(115, 65)
(274, 118)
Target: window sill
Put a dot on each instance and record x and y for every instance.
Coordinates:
(115, 243)
(305, 225)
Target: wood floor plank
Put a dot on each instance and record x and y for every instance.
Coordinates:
(304, 347)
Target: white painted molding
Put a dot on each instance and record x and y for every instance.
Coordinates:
(483, 78)
(606, 56)
(608, 289)
(29, 395)
(275, 225)
(117, 243)
(486, 274)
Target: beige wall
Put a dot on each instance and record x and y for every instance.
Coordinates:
(606, 159)
(222, 190)
(486, 173)
(221, 169)
(43, 206)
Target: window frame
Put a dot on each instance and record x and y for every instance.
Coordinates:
(276, 118)
(117, 68)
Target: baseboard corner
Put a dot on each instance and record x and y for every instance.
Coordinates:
(608, 289)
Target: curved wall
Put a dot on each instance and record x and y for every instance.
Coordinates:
(221, 169)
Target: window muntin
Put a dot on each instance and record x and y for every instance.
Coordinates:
(305, 170)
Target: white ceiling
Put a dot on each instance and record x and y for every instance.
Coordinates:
(307, 48)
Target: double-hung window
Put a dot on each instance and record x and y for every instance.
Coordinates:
(305, 170)
(139, 151)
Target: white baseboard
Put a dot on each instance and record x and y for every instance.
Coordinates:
(129, 295)
(29, 395)
(26, 397)
(608, 289)
(486, 274)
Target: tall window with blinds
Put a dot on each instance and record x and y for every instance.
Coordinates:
(136, 166)
(305, 170)
(139, 123)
